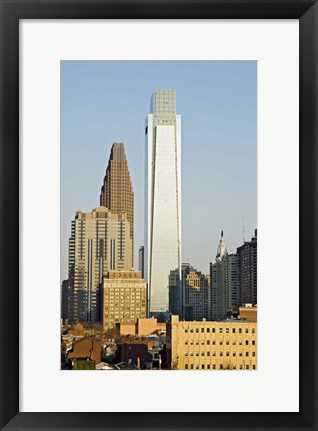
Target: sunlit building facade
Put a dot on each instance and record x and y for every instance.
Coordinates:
(162, 197)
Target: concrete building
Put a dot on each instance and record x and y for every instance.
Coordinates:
(117, 191)
(224, 282)
(227, 345)
(100, 241)
(124, 298)
(162, 197)
(247, 271)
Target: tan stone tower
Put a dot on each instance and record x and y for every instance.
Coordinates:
(117, 191)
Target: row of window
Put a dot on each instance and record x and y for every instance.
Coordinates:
(208, 342)
(220, 330)
(219, 367)
(218, 354)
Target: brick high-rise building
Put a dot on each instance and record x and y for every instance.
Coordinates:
(117, 191)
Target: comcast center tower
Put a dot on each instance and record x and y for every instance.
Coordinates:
(162, 197)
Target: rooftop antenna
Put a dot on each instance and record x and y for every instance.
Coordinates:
(243, 228)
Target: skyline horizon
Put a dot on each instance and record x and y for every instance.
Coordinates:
(190, 253)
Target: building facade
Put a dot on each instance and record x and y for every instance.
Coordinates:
(227, 345)
(224, 282)
(141, 261)
(247, 271)
(197, 295)
(117, 191)
(162, 197)
(100, 241)
(124, 298)
(64, 300)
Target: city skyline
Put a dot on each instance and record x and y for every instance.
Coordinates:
(232, 166)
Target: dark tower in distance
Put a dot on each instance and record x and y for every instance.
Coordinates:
(117, 191)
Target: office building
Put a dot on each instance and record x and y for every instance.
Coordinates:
(224, 282)
(247, 271)
(117, 191)
(227, 345)
(100, 241)
(162, 197)
(124, 298)
(197, 294)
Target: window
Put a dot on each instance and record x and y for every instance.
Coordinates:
(213, 366)
(197, 367)
(186, 366)
(220, 330)
(254, 367)
(208, 353)
(197, 353)
(240, 330)
(221, 353)
(196, 330)
(240, 354)
(208, 342)
(246, 353)
(246, 331)
(253, 342)
(247, 367)
(221, 343)
(191, 366)
(208, 366)
(202, 366)
(221, 367)
(253, 353)
(227, 343)
(233, 354)
(213, 330)
(202, 329)
(227, 330)
(227, 354)
(241, 367)
(246, 342)
(202, 353)
(233, 330)
(208, 330)
(185, 353)
(253, 330)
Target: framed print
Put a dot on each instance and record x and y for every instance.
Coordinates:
(234, 100)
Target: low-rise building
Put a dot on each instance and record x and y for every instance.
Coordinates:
(207, 345)
(248, 312)
(86, 348)
(143, 326)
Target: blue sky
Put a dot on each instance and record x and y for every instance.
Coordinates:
(106, 101)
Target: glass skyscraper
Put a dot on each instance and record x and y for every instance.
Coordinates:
(162, 197)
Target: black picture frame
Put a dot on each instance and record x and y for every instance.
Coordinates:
(14, 10)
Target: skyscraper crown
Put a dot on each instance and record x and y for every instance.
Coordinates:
(163, 102)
